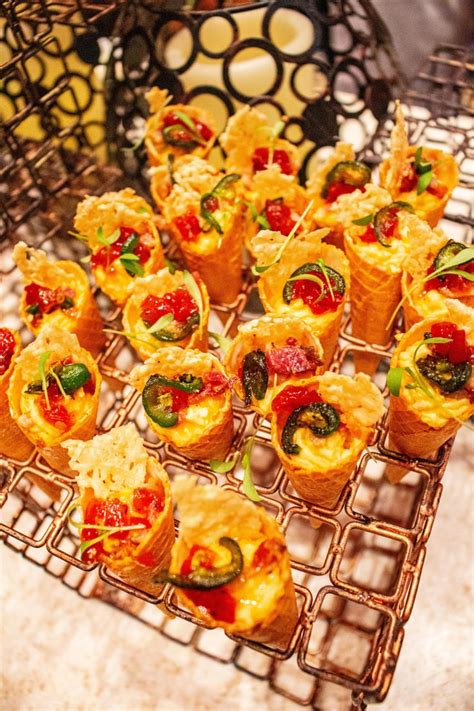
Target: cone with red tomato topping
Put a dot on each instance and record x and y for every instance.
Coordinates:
(424, 177)
(58, 293)
(126, 492)
(284, 290)
(320, 426)
(54, 394)
(156, 297)
(326, 185)
(250, 596)
(268, 352)
(207, 222)
(13, 442)
(252, 145)
(424, 297)
(187, 401)
(176, 129)
(275, 200)
(375, 250)
(119, 229)
(424, 413)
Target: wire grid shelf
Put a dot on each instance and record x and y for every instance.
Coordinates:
(356, 568)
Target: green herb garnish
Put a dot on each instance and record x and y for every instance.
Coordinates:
(222, 341)
(248, 487)
(42, 373)
(220, 467)
(363, 221)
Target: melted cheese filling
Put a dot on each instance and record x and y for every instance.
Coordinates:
(325, 453)
(319, 322)
(433, 412)
(44, 431)
(196, 419)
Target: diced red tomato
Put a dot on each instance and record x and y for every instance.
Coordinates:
(171, 119)
(188, 226)
(105, 256)
(56, 413)
(310, 292)
(339, 188)
(436, 188)
(261, 156)
(7, 348)
(218, 603)
(89, 387)
(291, 360)
(46, 300)
(292, 397)
(457, 350)
(211, 203)
(149, 502)
(452, 282)
(215, 383)
(180, 303)
(279, 216)
(180, 399)
(409, 179)
(369, 235)
(266, 554)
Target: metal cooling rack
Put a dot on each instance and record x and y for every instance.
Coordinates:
(357, 568)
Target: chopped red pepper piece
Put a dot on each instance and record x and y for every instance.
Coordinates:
(292, 397)
(171, 119)
(179, 303)
(105, 256)
(310, 292)
(188, 225)
(369, 235)
(457, 350)
(279, 216)
(337, 189)
(7, 348)
(261, 156)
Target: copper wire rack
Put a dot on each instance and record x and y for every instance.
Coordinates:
(356, 568)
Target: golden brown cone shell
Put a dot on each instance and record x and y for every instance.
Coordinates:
(428, 207)
(55, 455)
(221, 269)
(375, 293)
(159, 541)
(211, 441)
(408, 433)
(13, 442)
(269, 329)
(159, 284)
(277, 629)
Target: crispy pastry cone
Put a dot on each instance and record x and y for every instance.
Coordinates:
(271, 185)
(204, 430)
(107, 214)
(323, 212)
(375, 272)
(82, 318)
(217, 257)
(26, 411)
(419, 301)
(158, 148)
(418, 425)
(428, 207)
(159, 284)
(116, 466)
(304, 248)
(13, 442)
(263, 597)
(323, 466)
(246, 131)
(270, 334)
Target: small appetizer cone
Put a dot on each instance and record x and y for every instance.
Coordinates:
(419, 425)
(375, 269)
(250, 145)
(195, 134)
(268, 352)
(120, 231)
(259, 603)
(304, 248)
(276, 199)
(118, 479)
(13, 442)
(77, 418)
(189, 172)
(153, 288)
(324, 210)
(217, 256)
(321, 463)
(397, 176)
(200, 427)
(424, 298)
(62, 281)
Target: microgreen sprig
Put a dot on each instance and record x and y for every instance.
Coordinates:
(220, 467)
(462, 257)
(259, 219)
(132, 337)
(263, 268)
(313, 278)
(42, 373)
(193, 288)
(363, 221)
(248, 486)
(162, 322)
(107, 530)
(424, 170)
(222, 341)
(320, 262)
(107, 241)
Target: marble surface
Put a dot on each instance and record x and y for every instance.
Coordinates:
(91, 657)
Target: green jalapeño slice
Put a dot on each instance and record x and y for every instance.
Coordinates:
(348, 172)
(204, 578)
(158, 401)
(320, 417)
(254, 376)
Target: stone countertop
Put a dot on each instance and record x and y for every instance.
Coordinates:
(89, 656)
